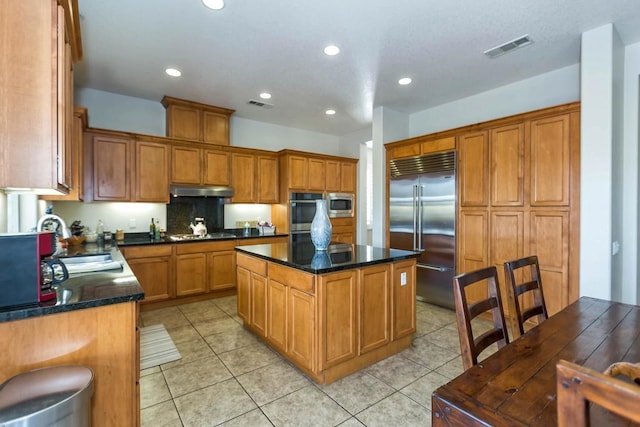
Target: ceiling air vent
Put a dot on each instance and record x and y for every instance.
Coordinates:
(508, 46)
(259, 104)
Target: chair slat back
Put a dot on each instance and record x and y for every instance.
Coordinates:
(471, 346)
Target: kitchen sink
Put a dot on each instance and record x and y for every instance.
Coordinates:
(210, 236)
(90, 263)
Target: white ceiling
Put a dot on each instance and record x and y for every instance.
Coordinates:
(228, 57)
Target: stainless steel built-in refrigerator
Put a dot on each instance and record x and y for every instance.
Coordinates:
(422, 200)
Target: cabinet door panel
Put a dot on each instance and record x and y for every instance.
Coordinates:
(473, 238)
(348, 177)
(550, 161)
(216, 168)
(332, 182)
(473, 164)
(184, 122)
(316, 174)
(186, 167)
(259, 304)
(215, 128)
(403, 297)
(191, 274)
(375, 305)
(268, 184)
(243, 173)
(339, 325)
(473, 245)
(550, 242)
(222, 270)
(507, 166)
(277, 315)
(301, 340)
(507, 243)
(154, 275)
(112, 169)
(298, 173)
(152, 172)
(243, 280)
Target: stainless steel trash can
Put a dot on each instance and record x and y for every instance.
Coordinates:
(54, 396)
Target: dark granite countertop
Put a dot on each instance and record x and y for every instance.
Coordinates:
(339, 256)
(138, 239)
(85, 290)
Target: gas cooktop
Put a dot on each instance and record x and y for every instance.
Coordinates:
(210, 236)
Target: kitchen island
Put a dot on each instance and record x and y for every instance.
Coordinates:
(330, 313)
(93, 322)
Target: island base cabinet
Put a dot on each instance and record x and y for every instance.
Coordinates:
(403, 311)
(333, 324)
(104, 339)
(375, 303)
(301, 346)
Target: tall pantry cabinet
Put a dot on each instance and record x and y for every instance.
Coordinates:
(518, 192)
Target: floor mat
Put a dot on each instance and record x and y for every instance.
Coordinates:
(156, 347)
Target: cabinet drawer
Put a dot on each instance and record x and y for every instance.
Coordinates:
(193, 248)
(252, 264)
(147, 251)
(293, 278)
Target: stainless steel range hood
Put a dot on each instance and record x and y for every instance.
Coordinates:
(178, 190)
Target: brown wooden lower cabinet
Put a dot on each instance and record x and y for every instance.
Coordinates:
(153, 268)
(105, 339)
(332, 324)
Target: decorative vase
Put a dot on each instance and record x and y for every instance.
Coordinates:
(321, 227)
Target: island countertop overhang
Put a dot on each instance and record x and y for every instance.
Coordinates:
(338, 257)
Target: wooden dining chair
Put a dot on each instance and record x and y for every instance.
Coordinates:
(523, 279)
(466, 311)
(578, 387)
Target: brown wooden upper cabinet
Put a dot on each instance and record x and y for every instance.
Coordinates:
(38, 118)
(198, 122)
(551, 160)
(191, 165)
(473, 168)
(419, 146)
(309, 172)
(123, 169)
(76, 193)
(255, 177)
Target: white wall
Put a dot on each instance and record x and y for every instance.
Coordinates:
(546, 90)
(388, 125)
(629, 237)
(596, 162)
(265, 136)
(352, 146)
(108, 110)
(113, 215)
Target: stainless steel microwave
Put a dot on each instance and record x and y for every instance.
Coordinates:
(340, 205)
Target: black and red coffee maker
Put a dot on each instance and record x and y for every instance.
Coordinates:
(27, 274)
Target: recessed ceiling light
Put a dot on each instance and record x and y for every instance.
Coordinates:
(173, 72)
(330, 112)
(404, 81)
(265, 95)
(214, 4)
(331, 50)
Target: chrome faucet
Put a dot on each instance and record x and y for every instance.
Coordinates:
(66, 233)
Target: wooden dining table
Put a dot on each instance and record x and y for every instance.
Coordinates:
(516, 386)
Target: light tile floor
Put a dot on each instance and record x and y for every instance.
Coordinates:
(228, 377)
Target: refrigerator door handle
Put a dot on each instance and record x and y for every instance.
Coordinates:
(415, 217)
(420, 248)
(433, 267)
